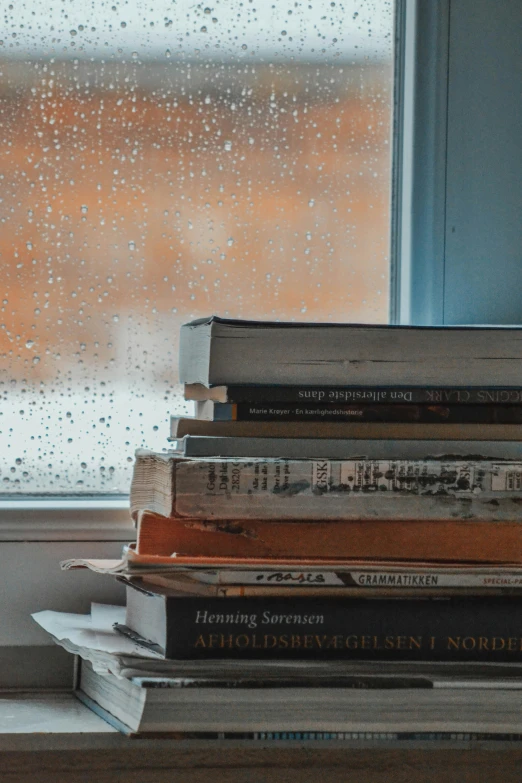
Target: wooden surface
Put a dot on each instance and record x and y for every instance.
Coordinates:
(177, 763)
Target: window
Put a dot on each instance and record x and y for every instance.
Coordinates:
(162, 162)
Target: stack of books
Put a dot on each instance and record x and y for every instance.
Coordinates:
(417, 456)
(345, 495)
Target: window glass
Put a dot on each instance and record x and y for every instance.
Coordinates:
(162, 162)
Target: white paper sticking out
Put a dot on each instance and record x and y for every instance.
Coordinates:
(93, 632)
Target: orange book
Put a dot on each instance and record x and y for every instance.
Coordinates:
(450, 541)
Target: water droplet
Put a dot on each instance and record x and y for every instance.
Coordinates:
(230, 241)
(123, 24)
(203, 29)
(83, 465)
(135, 55)
(251, 140)
(207, 11)
(29, 343)
(167, 53)
(244, 47)
(29, 245)
(308, 235)
(84, 209)
(311, 203)
(18, 461)
(132, 245)
(73, 32)
(36, 359)
(115, 318)
(227, 146)
(283, 32)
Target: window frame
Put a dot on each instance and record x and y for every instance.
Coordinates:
(419, 170)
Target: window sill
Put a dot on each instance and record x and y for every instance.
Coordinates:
(53, 737)
(68, 519)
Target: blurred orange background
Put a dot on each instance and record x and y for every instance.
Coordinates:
(138, 196)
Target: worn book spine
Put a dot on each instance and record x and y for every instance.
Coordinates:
(179, 427)
(335, 489)
(334, 448)
(442, 629)
(180, 585)
(418, 577)
(430, 395)
(219, 351)
(451, 541)
(339, 412)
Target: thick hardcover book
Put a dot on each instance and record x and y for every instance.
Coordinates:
(449, 540)
(335, 448)
(441, 629)
(179, 427)
(325, 489)
(217, 351)
(304, 701)
(339, 412)
(371, 395)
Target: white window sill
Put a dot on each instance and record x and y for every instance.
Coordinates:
(68, 519)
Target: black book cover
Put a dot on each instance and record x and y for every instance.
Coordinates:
(446, 629)
(391, 395)
(477, 414)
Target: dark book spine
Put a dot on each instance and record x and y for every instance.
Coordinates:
(448, 629)
(337, 412)
(432, 395)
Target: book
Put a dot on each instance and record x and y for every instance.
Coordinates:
(440, 629)
(300, 702)
(163, 540)
(340, 412)
(181, 426)
(187, 584)
(231, 489)
(218, 351)
(83, 635)
(133, 564)
(378, 394)
(335, 448)
(378, 576)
